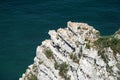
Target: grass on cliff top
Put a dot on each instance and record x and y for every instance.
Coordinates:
(108, 41)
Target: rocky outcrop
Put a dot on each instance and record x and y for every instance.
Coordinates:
(117, 34)
(71, 54)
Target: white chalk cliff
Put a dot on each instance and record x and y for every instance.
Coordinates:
(74, 53)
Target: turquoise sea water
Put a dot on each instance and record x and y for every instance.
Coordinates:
(24, 25)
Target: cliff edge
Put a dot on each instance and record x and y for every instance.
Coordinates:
(77, 52)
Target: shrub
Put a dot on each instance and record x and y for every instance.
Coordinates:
(49, 53)
(67, 78)
(102, 42)
(115, 45)
(81, 50)
(88, 46)
(118, 72)
(78, 28)
(118, 78)
(40, 62)
(63, 69)
(33, 77)
(104, 57)
(101, 51)
(56, 65)
(108, 41)
(34, 68)
(74, 58)
(118, 65)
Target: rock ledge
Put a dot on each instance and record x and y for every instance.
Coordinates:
(70, 54)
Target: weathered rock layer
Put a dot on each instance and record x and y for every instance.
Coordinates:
(71, 54)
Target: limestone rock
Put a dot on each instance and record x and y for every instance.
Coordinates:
(117, 34)
(70, 54)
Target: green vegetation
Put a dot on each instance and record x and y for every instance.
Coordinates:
(48, 53)
(63, 69)
(118, 78)
(88, 46)
(34, 68)
(104, 57)
(33, 77)
(67, 78)
(78, 27)
(118, 65)
(102, 42)
(30, 76)
(119, 72)
(108, 41)
(81, 50)
(74, 58)
(101, 51)
(109, 68)
(56, 65)
(40, 62)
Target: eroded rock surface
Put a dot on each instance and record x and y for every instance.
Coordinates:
(70, 54)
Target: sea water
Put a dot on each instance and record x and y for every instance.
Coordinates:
(24, 24)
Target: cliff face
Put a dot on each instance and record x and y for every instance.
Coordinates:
(77, 52)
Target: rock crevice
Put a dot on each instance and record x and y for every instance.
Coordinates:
(70, 54)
